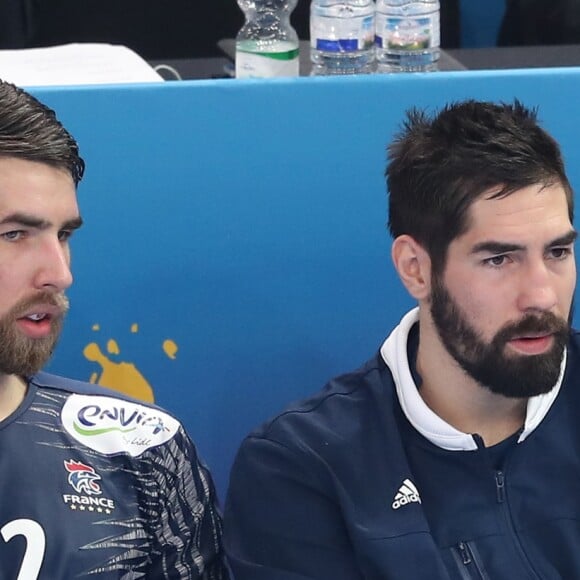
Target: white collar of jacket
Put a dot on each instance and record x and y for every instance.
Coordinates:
(430, 425)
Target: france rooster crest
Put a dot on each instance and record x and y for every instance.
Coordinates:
(83, 478)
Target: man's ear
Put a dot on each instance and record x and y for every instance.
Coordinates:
(413, 265)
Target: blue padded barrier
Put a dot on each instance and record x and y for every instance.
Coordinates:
(235, 254)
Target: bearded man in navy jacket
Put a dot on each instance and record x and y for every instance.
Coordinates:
(453, 453)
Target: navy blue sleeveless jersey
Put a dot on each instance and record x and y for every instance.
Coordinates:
(96, 485)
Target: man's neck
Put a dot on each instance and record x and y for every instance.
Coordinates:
(461, 401)
(12, 393)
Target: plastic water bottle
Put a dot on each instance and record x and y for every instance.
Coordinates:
(407, 35)
(267, 45)
(342, 36)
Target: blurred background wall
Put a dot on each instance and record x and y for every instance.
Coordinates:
(158, 29)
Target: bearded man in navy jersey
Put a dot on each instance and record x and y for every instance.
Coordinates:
(80, 498)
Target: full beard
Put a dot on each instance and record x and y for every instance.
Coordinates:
(490, 363)
(19, 354)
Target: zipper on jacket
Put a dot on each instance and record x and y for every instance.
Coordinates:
(500, 486)
(502, 499)
(467, 559)
(465, 553)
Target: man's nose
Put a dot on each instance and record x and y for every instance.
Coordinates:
(53, 271)
(537, 288)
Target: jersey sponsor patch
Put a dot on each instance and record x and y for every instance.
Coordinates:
(110, 425)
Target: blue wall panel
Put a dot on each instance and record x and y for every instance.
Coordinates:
(245, 222)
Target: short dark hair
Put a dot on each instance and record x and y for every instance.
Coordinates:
(30, 130)
(438, 166)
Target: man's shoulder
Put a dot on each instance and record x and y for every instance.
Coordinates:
(46, 380)
(350, 426)
(105, 420)
(340, 405)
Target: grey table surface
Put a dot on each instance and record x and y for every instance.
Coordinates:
(451, 60)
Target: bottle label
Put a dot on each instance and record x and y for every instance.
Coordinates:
(266, 64)
(408, 34)
(343, 34)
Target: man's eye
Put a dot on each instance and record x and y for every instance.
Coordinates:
(64, 235)
(496, 260)
(13, 235)
(560, 253)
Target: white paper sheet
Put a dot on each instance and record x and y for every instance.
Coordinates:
(75, 64)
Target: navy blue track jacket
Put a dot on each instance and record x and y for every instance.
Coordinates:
(363, 481)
